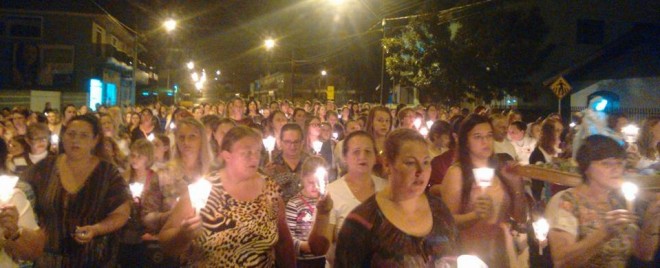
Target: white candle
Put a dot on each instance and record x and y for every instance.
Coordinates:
(7, 184)
(429, 124)
(630, 191)
(269, 144)
(151, 137)
(321, 175)
(470, 261)
(199, 193)
(54, 139)
(541, 229)
(172, 125)
(136, 189)
(417, 123)
(335, 135)
(630, 133)
(317, 145)
(483, 177)
(424, 131)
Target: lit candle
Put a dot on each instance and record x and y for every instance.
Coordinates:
(429, 124)
(199, 193)
(424, 131)
(317, 145)
(541, 228)
(54, 139)
(269, 144)
(629, 190)
(417, 123)
(172, 125)
(321, 175)
(470, 261)
(335, 135)
(136, 189)
(7, 184)
(630, 133)
(151, 137)
(483, 177)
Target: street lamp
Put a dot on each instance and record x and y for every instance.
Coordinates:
(269, 43)
(169, 25)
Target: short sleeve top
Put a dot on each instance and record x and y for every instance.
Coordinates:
(237, 233)
(573, 213)
(369, 239)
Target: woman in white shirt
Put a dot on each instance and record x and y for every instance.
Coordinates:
(345, 193)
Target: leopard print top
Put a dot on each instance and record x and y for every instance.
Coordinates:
(237, 233)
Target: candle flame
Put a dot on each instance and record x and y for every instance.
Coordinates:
(629, 190)
(417, 123)
(136, 189)
(199, 193)
(321, 175)
(7, 184)
(269, 143)
(317, 145)
(541, 229)
(483, 176)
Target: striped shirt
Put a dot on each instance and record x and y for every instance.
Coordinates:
(300, 218)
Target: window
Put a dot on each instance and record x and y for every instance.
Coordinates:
(98, 38)
(590, 32)
(23, 27)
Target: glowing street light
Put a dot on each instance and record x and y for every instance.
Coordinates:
(269, 43)
(190, 65)
(169, 25)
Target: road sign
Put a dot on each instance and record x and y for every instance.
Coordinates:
(331, 93)
(560, 87)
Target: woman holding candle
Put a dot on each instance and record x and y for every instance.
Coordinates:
(276, 121)
(346, 193)
(133, 249)
(312, 135)
(243, 222)
(379, 124)
(148, 126)
(22, 239)
(191, 160)
(286, 166)
(482, 214)
(546, 149)
(300, 211)
(401, 225)
(81, 200)
(590, 225)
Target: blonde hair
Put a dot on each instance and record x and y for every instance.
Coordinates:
(204, 155)
(645, 140)
(141, 147)
(311, 164)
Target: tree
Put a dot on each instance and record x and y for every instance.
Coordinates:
(485, 54)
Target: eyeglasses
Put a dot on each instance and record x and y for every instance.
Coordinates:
(291, 143)
(39, 139)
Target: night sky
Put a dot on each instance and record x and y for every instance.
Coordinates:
(228, 35)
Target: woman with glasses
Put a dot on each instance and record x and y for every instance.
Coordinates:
(287, 165)
(81, 201)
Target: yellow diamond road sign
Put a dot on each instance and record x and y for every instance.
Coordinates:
(560, 87)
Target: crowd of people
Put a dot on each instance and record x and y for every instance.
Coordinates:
(401, 187)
